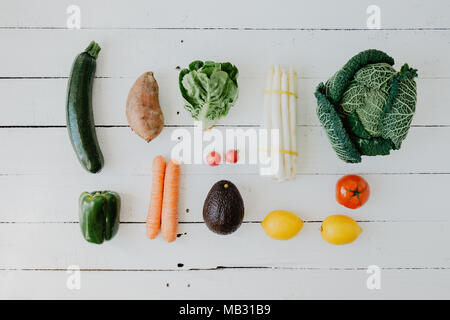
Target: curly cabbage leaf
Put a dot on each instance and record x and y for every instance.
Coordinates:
(366, 108)
(209, 90)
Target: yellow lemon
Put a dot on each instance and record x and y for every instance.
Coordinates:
(339, 229)
(281, 225)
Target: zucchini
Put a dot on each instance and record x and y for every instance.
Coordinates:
(79, 114)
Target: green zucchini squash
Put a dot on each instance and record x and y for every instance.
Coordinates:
(79, 114)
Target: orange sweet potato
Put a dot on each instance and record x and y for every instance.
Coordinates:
(144, 113)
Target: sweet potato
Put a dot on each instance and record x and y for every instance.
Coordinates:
(143, 110)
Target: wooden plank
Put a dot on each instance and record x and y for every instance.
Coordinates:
(227, 284)
(44, 101)
(386, 244)
(236, 14)
(48, 151)
(128, 53)
(54, 198)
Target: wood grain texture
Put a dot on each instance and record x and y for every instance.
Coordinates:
(393, 245)
(48, 151)
(53, 198)
(228, 284)
(43, 105)
(129, 53)
(236, 14)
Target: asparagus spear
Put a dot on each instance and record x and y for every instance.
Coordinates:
(293, 119)
(277, 160)
(285, 124)
(267, 126)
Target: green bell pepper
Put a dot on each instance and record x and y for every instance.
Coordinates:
(99, 215)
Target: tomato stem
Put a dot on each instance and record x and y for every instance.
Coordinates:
(356, 193)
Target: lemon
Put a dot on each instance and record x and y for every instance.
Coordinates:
(281, 225)
(339, 229)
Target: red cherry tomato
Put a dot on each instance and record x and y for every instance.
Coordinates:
(232, 156)
(213, 158)
(352, 191)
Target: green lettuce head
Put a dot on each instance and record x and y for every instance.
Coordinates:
(209, 90)
(366, 108)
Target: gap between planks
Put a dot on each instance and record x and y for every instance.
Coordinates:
(243, 222)
(255, 174)
(229, 28)
(220, 268)
(192, 126)
(133, 78)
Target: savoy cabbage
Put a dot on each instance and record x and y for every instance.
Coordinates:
(366, 108)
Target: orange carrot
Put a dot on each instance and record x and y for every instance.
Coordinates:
(169, 215)
(153, 221)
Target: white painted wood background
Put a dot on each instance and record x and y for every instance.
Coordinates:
(406, 222)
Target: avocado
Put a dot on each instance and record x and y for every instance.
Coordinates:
(223, 210)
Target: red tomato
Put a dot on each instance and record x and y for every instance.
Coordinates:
(232, 156)
(352, 191)
(213, 158)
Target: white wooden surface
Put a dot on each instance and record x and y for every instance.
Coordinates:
(406, 222)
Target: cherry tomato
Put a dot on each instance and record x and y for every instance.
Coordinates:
(213, 158)
(232, 156)
(352, 191)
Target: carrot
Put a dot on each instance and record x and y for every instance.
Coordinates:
(169, 215)
(153, 221)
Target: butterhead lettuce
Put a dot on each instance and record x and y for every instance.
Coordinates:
(366, 108)
(209, 90)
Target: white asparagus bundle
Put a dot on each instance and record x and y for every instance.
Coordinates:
(280, 105)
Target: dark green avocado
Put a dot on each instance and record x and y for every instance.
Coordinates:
(223, 210)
